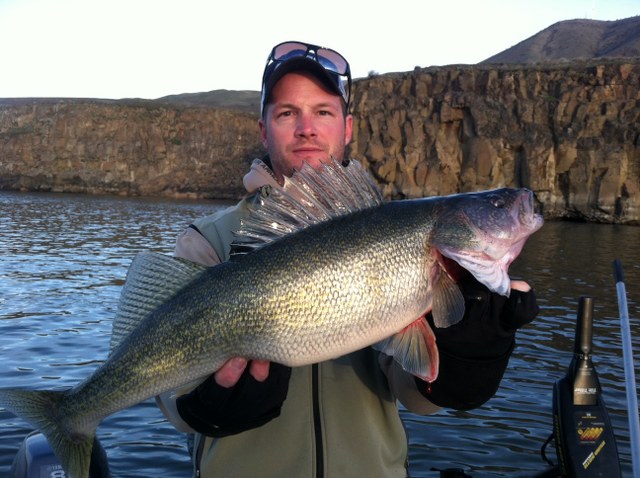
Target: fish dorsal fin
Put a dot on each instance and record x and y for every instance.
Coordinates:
(448, 301)
(308, 197)
(151, 279)
(414, 348)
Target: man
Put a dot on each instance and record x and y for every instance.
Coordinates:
(338, 418)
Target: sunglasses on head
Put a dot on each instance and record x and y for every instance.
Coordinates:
(332, 61)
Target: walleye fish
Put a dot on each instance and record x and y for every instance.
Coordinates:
(321, 268)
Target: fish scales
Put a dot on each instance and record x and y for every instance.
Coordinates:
(330, 283)
(288, 303)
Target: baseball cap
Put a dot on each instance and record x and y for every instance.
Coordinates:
(326, 64)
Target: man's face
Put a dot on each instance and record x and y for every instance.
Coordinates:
(304, 122)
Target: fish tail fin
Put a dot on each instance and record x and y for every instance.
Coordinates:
(41, 409)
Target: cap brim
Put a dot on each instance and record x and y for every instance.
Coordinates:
(328, 79)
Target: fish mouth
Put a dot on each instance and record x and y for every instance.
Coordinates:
(526, 221)
(528, 216)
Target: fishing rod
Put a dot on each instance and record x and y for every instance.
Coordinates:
(629, 370)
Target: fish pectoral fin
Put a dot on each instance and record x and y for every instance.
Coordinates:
(448, 302)
(414, 348)
(152, 278)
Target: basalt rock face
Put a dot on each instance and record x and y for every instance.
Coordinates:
(570, 133)
(125, 147)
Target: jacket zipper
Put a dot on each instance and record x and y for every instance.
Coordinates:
(198, 456)
(317, 424)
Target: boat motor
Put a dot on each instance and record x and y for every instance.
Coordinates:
(35, 459)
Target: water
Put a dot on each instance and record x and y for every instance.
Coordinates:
(63, 260)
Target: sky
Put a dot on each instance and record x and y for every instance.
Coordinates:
(152, 48)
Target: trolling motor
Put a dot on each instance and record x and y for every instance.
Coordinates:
(585, 442)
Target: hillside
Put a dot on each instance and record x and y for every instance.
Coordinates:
(562, 41)
(241, 100)
(576, 40)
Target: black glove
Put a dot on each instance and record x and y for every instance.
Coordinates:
(218, 411)
(474, 353)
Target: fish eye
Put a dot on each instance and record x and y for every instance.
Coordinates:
(498, 203)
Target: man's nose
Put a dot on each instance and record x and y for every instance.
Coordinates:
(305, 126)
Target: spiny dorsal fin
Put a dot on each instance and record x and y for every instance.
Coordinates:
(152, 279)
(308, 197)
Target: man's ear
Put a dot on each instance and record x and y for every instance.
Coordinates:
(263, 132)
(348, 129)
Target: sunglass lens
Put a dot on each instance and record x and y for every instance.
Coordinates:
(284, 51)
(329, 59)
(332, 61)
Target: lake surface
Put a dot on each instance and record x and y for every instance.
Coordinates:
(63, 260)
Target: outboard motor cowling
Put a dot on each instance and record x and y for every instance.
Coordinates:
(35, 459)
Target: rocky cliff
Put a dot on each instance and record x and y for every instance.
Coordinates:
(125, 147)
(569, 132)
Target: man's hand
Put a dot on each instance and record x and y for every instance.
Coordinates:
(229, 374)
(520, 285)
(474, 353)
(243, 394)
